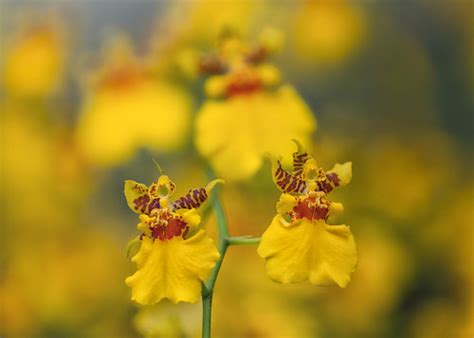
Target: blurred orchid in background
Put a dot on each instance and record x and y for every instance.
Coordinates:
(91, 92)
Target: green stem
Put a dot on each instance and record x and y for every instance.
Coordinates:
(243, 240)
(206, 314)
(223, 241)
(208, 287)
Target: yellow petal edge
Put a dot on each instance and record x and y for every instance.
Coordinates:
(315, 251)
(172, 269)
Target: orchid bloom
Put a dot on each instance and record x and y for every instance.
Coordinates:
(248, 113)
(300, 244)
(175, 256)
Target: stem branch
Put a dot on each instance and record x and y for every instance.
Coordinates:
(223, 241)
(243, 240)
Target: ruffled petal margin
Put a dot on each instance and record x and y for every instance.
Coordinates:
(315, 251)
(172, 269)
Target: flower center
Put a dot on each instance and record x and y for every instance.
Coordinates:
(164, 225)
(243, 81)
(312, 207)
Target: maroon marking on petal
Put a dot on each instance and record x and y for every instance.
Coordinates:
(174, 228)
(153, 189)
(256, 55)
(139, 188)
(327, 187)
(242, 82)
(238, 88)
(193, 199)
(185, 232)
(154, 204)
(141, 202)
(311, 209)
(320, 213)
(299, 159)
(301, 186)
(334, 179)
(293, 185)
(212, 64)
(279, 173)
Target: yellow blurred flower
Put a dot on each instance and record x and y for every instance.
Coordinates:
(166, 320)
(128, 109)
(34, 62)
(415, 170)
(43, 281)
(174, 256)
(328, 31)
(299, 244)
(247, 115)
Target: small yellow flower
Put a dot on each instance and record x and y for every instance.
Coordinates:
(34, 62)
(247, 114)
(299, 244)
(175, 256)
(127, 109)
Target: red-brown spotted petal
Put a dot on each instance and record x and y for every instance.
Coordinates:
(287, 182)
(136, 195)
(192, 200)
(299, 159)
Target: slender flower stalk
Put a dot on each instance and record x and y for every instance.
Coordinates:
(224, 241)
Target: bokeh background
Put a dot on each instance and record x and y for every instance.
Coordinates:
(391, 84)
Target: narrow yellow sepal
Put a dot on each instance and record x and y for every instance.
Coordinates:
(132, 191)
(343, 171)
(213, 183)
(300, 147)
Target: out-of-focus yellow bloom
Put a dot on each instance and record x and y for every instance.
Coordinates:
(34, 62)
(174, 256)
(128, 109)
(169, 320)
(63, 261)
(414, 171)
(328, 31)
(183, 28)
(247, 116)
(299, 245)
(234, 14)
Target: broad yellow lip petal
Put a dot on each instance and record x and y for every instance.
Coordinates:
(323, 254)
(172, 269)
(235, 134)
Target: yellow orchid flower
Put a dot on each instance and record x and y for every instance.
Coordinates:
(299, 244)
(35, 61)
(175, 256)
(127, 108)
(248, 114)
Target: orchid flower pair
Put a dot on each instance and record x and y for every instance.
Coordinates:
(176, 256)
